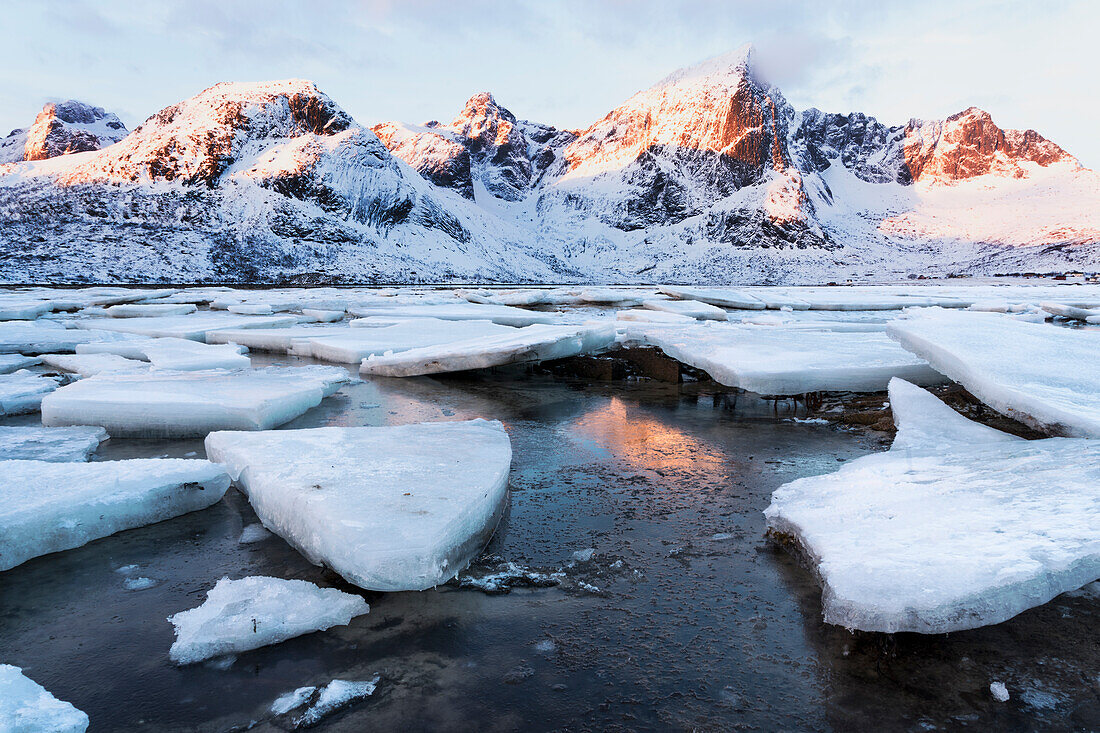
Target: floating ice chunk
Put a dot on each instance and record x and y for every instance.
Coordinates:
(22, 392)
(194, 326)
(925, 423)
(245, 614)
(999, 691)
(88, 365)
(457, 311)
(584, 555)
(27, 310)
(45, 337)
(1069, 311)
(48, 507)
(652, 316)
(388, 508)
(531, 343)
(27, 707)
(691, 308)
(353, 345)
(183, 404)
(14, 362)
(508, 297)
(715, 296)
(783, 361)
(946, 535)
(285, 703)
(335, 695)
(50, 444)
(274, 339)
(1045, 376)
(143, 310)
(138, 583)
(251, 309)
(323, 316)
(185, 355)
(255, 532)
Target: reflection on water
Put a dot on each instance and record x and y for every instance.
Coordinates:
(693, 620)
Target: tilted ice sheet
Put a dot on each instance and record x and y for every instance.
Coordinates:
(273, 339)
(653, 316)
(691, 308)
(142, 310)
(46, 337)
(184, 404)
(23, 310)
(88, 365)
(27, 707)
(527, 344)
(14, 362)
(32, 443)
(48, 507)
(239, 615)
(1046, 376)
(175, 353)
(721, 297)
(941, 534)
(457, 311)
(388, 508)
(1070, 311)
(773, 360)
(356, 344)
(22, 392)
(194, 326)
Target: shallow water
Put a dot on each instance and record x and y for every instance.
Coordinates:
(686, 617)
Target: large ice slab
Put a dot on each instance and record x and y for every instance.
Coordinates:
(456, 311)
(388, 508)
(947, 531)
(722, 297)
(175, 354)
(692, 308)
(50, 444)
(23, 310)
(142, 310)
(185, 404)
(14, 362)
(530, 343)
(245, 614)
(88, 365)
(22, 392)
(48, 507)
(27, 707)
(45, 337)
(773, 360)
(274, 339)
(1040, 374)
(194, 326)
(356, 344)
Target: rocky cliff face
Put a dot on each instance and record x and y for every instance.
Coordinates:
(62, 128)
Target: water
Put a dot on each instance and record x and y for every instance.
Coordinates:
(685, 617)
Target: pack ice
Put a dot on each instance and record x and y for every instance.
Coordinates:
(50, 444)
(505, 315)
(187, 404)
(27, 707)
(22, 392)
(774, 360)
(245, 614)
(1040, 374)
(48, 507)
(956, 526)
(388, 508)
(530, 343)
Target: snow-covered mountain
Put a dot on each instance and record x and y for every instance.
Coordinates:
(708, 176)
(62, 128)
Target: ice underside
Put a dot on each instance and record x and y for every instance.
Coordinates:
(388, 508)
(955, 527)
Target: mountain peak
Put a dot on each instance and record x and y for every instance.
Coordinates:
(71, 127)
(728, 67)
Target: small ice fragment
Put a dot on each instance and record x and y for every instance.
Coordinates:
(254, 532)
(239, 615)
(721, 536)
(138, 583)
(584, 555)
(546, 646)
(128, 569)
(999, 691)
(335, 695)
(27, 707)
(287, 702)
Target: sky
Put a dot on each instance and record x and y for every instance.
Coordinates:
(567, 63)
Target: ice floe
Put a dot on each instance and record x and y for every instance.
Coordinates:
(245, 614)
(194, 326)
(48, 507)
(355, 344)
(457, 311)
(22, 392)
(652, 316)
(948, 531)
(691, 308)
(724, 298)
(1040, 374)
(88, 365)
(14, 362)
(388, 508)
(184, 404)
(773, 360)
(322, 701)
(46, 337)
(27, 707)
(50, 444)
(142, 310)
(527, 344)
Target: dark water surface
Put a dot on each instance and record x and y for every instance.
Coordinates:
(685, 618)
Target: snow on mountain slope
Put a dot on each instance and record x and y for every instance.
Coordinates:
(709, 176)
(62, 128)
(268, 181)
